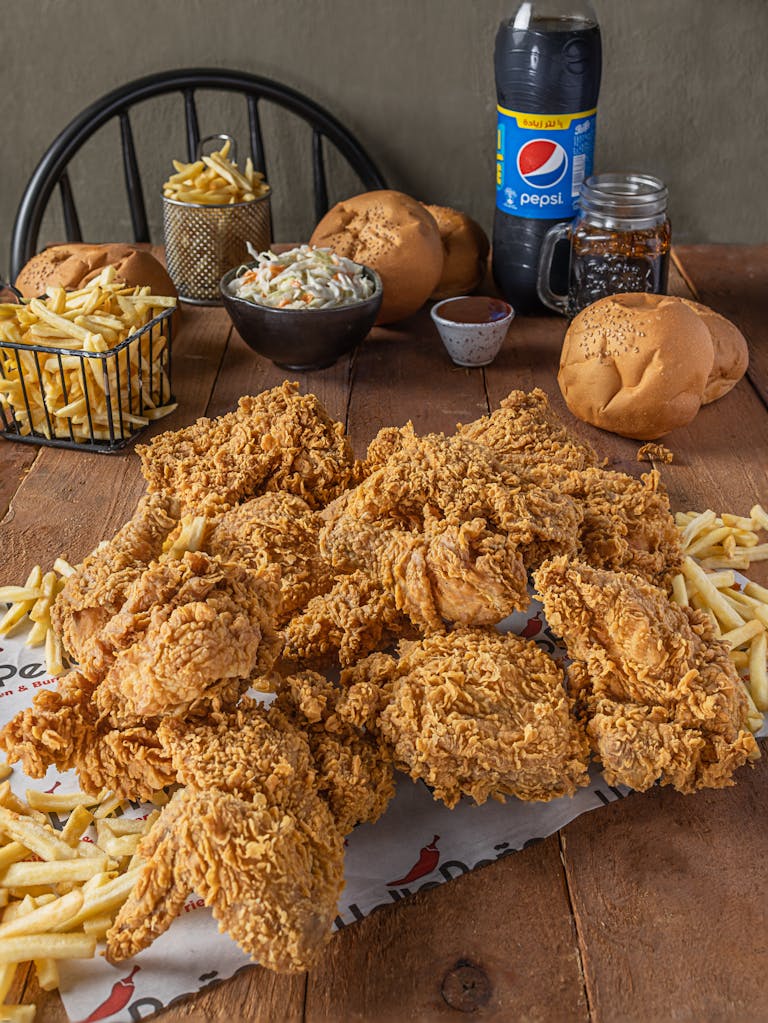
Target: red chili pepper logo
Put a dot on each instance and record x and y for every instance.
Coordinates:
(119, 996)
(532, 626)
(428, 859)
(49, 791)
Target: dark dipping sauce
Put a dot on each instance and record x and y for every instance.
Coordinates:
(474, 309)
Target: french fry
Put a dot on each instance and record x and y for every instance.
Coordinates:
(104, 898)
(7, 971)
(742, 635)
(31, 874)
(47, 974)
(44, 917)
(758, 675)
(27, 947)
(34, 836)
(59, 802)
(77, 824)
(18, 1013)
(720, 607)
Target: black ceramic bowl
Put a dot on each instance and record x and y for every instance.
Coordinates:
(301, 338)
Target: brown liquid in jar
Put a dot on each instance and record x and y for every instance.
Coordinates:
(473, 309)
(606, 262)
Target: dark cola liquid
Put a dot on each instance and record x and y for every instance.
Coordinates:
(608, 262)
(552, 67)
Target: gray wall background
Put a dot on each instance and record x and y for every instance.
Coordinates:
(684, 96)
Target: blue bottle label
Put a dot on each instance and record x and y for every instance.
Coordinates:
(541, 159)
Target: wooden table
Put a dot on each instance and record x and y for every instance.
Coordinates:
(654, 908)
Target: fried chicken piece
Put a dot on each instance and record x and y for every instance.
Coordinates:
(524, 430)
(278, 440)
(627, 524)
(354, 772)
(272, 878)
(473, 713)
(661, 698)
(251, 833)
(63, 728)
(191, 631)
(443, 529)
(97, 588)
(355, 617)
(276, 529)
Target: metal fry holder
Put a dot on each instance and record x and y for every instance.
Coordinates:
(202, 242)
(129, 381)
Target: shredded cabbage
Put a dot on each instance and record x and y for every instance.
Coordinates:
(303, 278)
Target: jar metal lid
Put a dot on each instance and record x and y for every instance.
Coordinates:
(623, 196)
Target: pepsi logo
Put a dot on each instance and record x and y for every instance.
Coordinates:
(541, 163)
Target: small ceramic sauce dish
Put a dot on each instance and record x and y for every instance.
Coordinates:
(472, 327)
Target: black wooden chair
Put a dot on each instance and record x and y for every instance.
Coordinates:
(52, 169)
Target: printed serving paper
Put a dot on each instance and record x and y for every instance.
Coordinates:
(417, 844)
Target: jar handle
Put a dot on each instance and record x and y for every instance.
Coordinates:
(222, 137)
(555, 234)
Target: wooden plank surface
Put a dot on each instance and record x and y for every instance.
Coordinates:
(631, 913)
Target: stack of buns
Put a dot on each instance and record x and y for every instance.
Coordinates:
(420, 252)
(642, 365)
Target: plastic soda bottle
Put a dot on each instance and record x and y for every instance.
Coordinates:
(547, 60)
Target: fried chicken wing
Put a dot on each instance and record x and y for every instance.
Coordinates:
(276, 529)
(97, 588)
(661, 699)
(272, 878)
(63, 728)
(278, 440)
(628, 525)
(258, 830)
(473, 713)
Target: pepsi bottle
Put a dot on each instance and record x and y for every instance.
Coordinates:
(547, 62)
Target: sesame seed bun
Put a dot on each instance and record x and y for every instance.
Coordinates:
(636, 364)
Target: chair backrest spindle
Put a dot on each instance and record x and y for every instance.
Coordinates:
(257, 143)
(193, 128)
(133, 181)
(318, 175)
(71, 220)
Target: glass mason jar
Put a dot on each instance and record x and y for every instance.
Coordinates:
(620, 241)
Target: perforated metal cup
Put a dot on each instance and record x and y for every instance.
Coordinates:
(203, 242)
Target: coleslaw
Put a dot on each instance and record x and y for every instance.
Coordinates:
(303, 278)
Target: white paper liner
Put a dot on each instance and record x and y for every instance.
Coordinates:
(193, 953)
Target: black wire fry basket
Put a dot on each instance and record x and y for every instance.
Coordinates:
(87, 400)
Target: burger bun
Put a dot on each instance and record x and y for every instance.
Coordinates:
(395, 236)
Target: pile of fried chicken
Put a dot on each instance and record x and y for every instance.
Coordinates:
(364, 594)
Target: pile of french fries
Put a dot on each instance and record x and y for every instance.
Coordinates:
(215, 181)
(715, 548)
(30, 608)
(59, 893)
(54, 386)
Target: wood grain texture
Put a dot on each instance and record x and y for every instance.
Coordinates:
(733, 279)
(403, 373)
(671, 905)
(497, 944)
